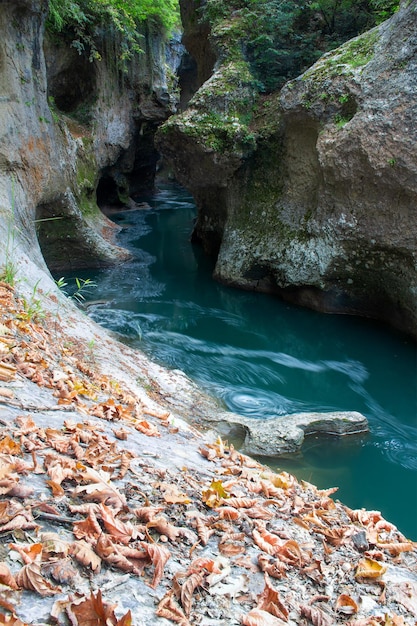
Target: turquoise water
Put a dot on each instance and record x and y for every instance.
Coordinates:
(264, 358)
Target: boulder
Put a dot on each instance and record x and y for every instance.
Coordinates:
(284, 435)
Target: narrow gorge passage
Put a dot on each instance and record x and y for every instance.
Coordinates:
(264, 358)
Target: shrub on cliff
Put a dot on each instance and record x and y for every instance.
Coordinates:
(282, 38)
(86, 22)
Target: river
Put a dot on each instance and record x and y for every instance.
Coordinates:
(264, 357)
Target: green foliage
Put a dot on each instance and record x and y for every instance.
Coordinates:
(285, 37)
(82, 285)
(84, 22)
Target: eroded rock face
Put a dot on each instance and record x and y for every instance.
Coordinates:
(65, 123)
(321, 204)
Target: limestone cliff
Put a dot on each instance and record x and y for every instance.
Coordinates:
(311, 192)
(71, 130)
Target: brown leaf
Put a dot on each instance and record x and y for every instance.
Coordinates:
(258, 617)
(84, 554)
(346, 604)
(113, 555)
(99, 489)
(93, 611)
(164, 528)
(147, 513)
(147, 428)
(266, 541)
(239, 503)
(228, 513)
(159, 556)
(121, 532)
(273, 567)
(88, 528)
(316, 616)
(7, 372)
(269, 601)
(60, 570)
(187, 590)
(169, 609)
(6, 577)
(30, 577)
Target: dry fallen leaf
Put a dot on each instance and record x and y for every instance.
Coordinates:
(84, 554)
(270, 601)
(6, 577)
(346, 604)
(159, 556)
(316, 616)
(93, 611)
(214, 495)
(30, 577)
(258, 617)
(169, 609)
(369, 569)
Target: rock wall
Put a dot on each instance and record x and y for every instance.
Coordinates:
(311, 193)
(69, 128)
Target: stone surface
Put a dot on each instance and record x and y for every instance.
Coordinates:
(285, 434)
(320, 208)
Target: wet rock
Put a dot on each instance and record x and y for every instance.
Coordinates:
(286, 434)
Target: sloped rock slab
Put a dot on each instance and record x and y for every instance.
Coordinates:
(285, 435)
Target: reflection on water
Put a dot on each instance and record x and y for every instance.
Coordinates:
(265, 358)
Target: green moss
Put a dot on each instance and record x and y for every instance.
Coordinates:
(359, 51)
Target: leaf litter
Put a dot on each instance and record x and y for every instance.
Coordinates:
(99, 527)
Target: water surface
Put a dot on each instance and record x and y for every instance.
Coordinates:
(265, 358)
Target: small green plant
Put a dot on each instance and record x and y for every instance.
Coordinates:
(340, 120)
(53, 109)
(82, 285)
(392, 162)
(344, 98)
(32, 306)
(9, 271)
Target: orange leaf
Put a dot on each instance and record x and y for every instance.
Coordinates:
(28, 553)
(266, 541)
(346, 605)
(9, 446)
(147, 428)
(369, 568)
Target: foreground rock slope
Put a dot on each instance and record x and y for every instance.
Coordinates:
(115, 511)
(309, 193)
